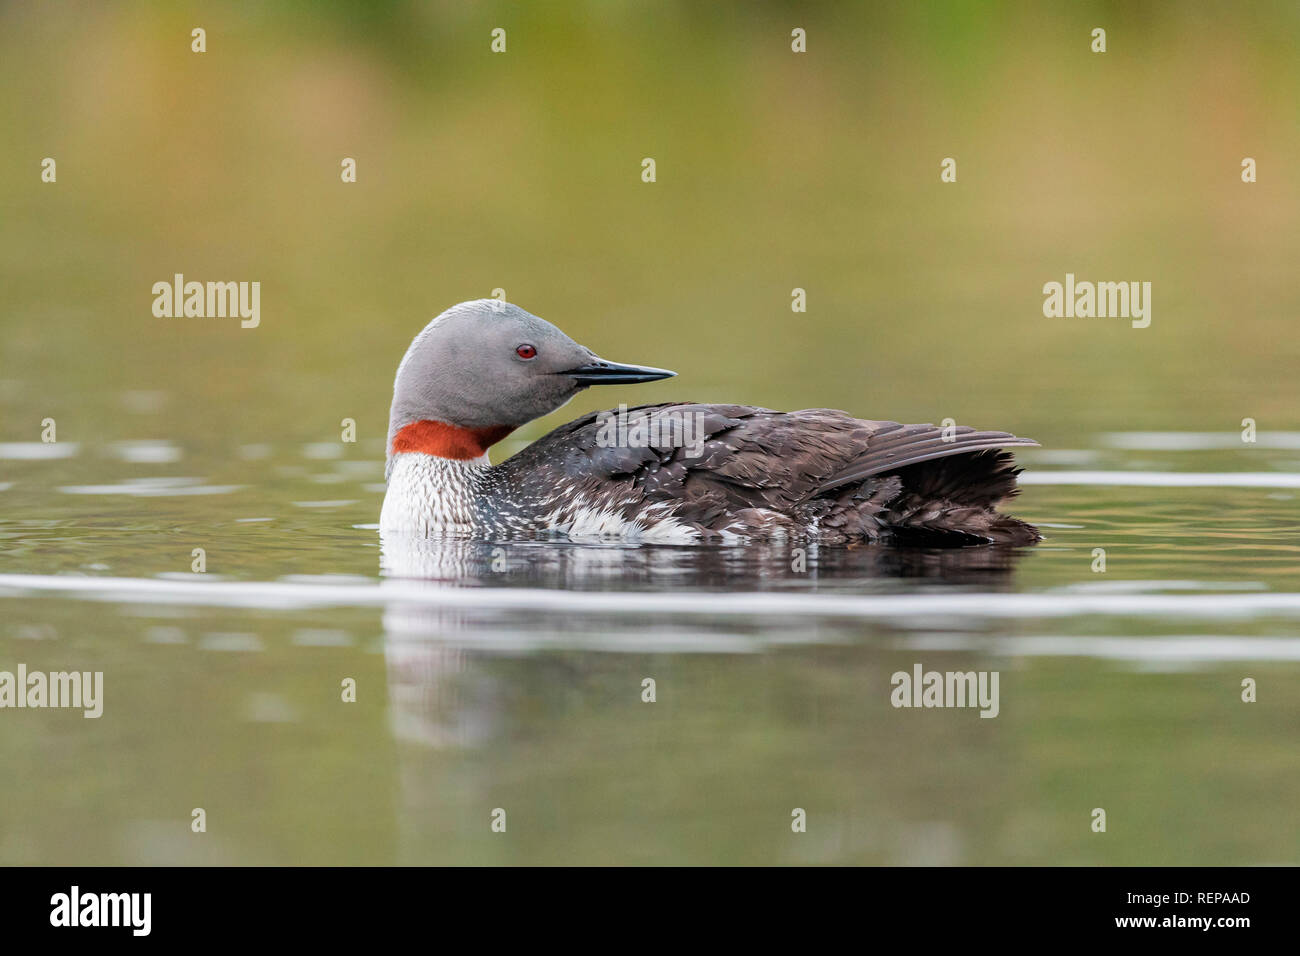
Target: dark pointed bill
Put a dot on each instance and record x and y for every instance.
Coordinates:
(600, 372)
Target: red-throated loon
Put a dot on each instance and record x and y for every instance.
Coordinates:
(673, 473)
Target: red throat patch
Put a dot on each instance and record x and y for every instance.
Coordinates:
(448, 441)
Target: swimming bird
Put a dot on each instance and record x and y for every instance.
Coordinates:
(674, 472)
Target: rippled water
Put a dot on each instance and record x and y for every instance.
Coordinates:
(511, 675)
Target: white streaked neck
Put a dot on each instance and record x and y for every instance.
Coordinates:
(433, 496)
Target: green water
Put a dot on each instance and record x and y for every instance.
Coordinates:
(1119, 689)
(539, 711)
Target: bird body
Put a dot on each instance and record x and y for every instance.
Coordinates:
(667, 473)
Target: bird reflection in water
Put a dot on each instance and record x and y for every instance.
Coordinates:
(429, 648)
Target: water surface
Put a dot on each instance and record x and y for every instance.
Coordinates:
(509, 675)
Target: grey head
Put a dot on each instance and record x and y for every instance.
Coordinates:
(488, 364)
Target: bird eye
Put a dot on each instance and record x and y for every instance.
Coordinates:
(526, 352)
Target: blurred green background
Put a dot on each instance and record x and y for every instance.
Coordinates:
(776, 170)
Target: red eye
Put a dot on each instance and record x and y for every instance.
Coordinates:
(526, 352)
